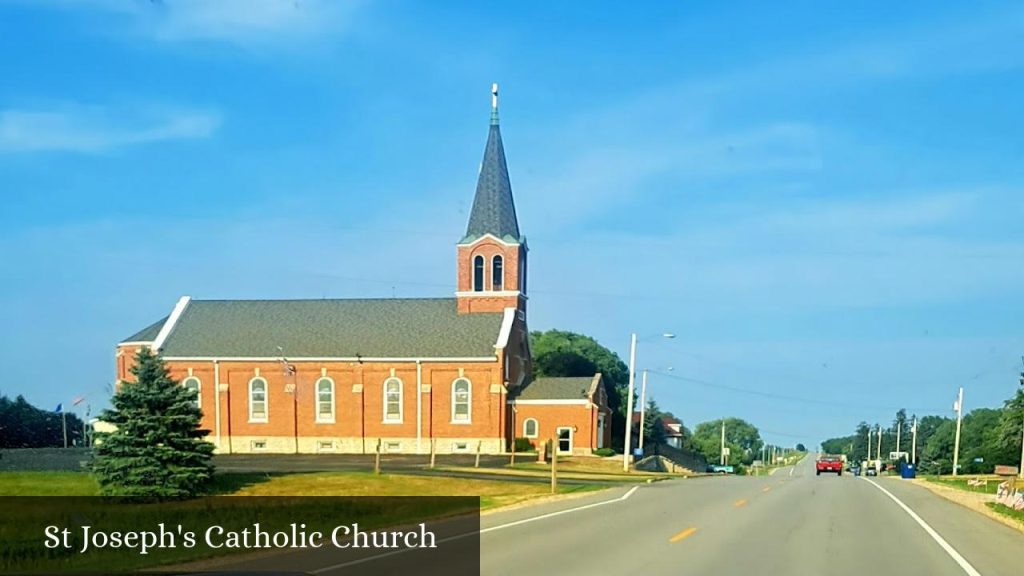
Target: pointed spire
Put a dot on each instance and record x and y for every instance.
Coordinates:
(494, 210)
(494, 104)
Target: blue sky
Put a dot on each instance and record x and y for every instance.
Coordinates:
(824, 205)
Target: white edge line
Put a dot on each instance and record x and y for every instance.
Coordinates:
(484, 531)
(931, 532)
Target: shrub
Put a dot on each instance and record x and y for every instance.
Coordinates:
(523, 445)
(604, 452)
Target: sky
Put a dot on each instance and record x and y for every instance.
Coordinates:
(822, 203)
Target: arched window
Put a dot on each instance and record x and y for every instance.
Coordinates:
(325, 400)
(193, 385)
(497, 273)
(392, 400)
(478, 274)
(461, 400)
(530, 428)
(257, 400)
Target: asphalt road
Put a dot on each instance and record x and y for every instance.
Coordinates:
(792, 523)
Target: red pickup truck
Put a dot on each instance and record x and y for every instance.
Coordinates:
(829, 464)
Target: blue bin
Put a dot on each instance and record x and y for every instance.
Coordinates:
(907, 471)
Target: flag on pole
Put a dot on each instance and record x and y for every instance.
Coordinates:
(59, 408)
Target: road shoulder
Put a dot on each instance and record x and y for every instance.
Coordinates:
(971, 500)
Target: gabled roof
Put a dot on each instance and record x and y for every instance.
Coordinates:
(370, 328)
(494, 210)
(147, 334)
(560, 388)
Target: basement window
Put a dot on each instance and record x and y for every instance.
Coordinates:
(460, 447)
(259, 444)
(325, 446)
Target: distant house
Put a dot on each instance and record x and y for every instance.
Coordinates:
(673, 430)
(405, 375)
(669, 428)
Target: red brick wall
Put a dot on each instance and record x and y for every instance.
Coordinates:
(551, 417)
(488, 248)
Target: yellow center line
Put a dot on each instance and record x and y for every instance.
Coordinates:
(740, 503)
(682, 535)
(767, 489)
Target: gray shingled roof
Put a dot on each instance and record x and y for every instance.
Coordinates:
(494, 211)
(395, 328)
(147, 334)
(557, 388)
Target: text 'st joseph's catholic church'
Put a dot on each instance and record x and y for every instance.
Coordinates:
(404, 373)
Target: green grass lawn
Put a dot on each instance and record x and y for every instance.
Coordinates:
(492, 493)
(1006, 511)
(961, 483)
(48, 484)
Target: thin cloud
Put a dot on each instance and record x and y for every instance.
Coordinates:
(94, 129)
(242, 22)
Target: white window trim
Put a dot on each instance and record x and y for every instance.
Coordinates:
(401, 401)
(536, 428)
(469, 401)
(199, 390)
(558, 439)
(266, 401)
(494, 259)
(316, 401)
(483, 273)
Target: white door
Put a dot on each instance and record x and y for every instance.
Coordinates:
(564, 440)
(600, 430)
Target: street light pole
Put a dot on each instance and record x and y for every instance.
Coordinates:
(629, 405)
(643, 407)
(959, 405)
(869, 443)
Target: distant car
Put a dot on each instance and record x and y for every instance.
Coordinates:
(829, 464)
(871, 471)
(718, 469)
(855, 470)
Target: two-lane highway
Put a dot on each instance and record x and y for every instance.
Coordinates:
(791, 523)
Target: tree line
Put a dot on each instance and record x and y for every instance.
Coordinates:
(22, 425)
(562, 353)
(988, 437)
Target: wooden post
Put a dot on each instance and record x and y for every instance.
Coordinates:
(541, 453)
(376, 459)
(477, 463)
(432, 452)
(554, 467)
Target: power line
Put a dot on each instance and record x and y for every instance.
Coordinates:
(787, 397)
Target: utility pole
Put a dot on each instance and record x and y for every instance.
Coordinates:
(913, 457)
(628, 448)
(878, 453)
(722, 449)
(643, 406)
(959, 407)
(869, 443)
(899, 430)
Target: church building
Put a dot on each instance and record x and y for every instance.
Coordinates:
(402, 375)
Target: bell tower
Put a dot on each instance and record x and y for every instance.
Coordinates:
(492, 254)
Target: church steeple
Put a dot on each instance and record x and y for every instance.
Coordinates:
(492, 254)
(494, 210)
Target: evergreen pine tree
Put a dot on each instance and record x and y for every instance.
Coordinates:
(158, 449)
